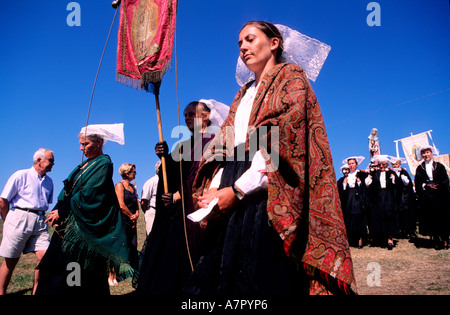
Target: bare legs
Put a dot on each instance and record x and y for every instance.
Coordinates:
(7, 268)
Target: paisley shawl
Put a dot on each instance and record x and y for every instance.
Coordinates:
(303, 201)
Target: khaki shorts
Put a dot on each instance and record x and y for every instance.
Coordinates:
(23, 232)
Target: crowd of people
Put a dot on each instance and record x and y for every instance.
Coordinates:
(278, 228)
(382, 202)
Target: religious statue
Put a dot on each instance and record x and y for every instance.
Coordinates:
(374, 143)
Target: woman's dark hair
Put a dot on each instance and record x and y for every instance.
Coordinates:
(199, 106)
(191, 104)
(271, 31)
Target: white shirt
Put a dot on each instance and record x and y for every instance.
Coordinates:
(429, 169)
(404, 178)
(351, 180)
(382, 179)
(243, 115)
(255, 177)
(149, 190)
(28, 190)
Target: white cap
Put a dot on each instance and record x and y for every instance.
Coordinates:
(428, 147)
(344, 166)
(381, 158)
(394, 159)
(358, 159)
(219, 111)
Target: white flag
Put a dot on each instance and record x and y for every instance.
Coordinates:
(411, 148)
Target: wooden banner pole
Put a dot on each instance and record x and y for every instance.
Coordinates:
(161, 139)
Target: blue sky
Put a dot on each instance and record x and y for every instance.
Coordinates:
(394, 77)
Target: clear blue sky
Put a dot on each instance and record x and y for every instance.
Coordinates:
(394, 77)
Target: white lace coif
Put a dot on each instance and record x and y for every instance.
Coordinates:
(307, 52)
(219, 111)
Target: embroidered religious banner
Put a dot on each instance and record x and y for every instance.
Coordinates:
(411, 147)
(145, 41)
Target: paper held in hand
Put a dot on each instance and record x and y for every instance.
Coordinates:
(200, 214)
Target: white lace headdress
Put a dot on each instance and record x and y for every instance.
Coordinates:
(344, 166)
(219, 111)
(381, 158)
(429, 147)
(358, 159)
(307, 52)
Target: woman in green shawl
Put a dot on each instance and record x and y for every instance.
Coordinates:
(88, 237)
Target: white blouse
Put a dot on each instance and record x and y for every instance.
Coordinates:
(255, 177)
(429, 169)
(351, 180)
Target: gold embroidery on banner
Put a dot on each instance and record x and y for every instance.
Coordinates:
(143, 29)
(415, 152)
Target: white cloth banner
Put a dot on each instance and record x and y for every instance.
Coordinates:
(411, 147)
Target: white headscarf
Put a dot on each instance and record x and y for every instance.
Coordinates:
(358, 159)
(394, 159)
(428, 147)
(381, 158)
(302, 50)
(108, 132)
(219, 111)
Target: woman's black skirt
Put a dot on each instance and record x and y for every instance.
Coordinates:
(242, 253)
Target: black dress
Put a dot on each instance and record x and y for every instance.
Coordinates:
(60, 276)
(353, 201)
(243, 254)
(407, 210)
(383, 205)
(131, 201)
(89, 237)
(434, 209)
(166, 261)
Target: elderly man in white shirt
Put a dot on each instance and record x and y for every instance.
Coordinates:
(23, 203)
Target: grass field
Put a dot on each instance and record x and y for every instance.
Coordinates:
(411, 268)
(22, 278)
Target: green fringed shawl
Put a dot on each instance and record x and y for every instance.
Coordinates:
(92, 230)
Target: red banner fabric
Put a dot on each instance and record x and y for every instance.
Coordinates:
(145, 41)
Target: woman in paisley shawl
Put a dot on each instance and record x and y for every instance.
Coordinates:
(89, 237)
(277, 228)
